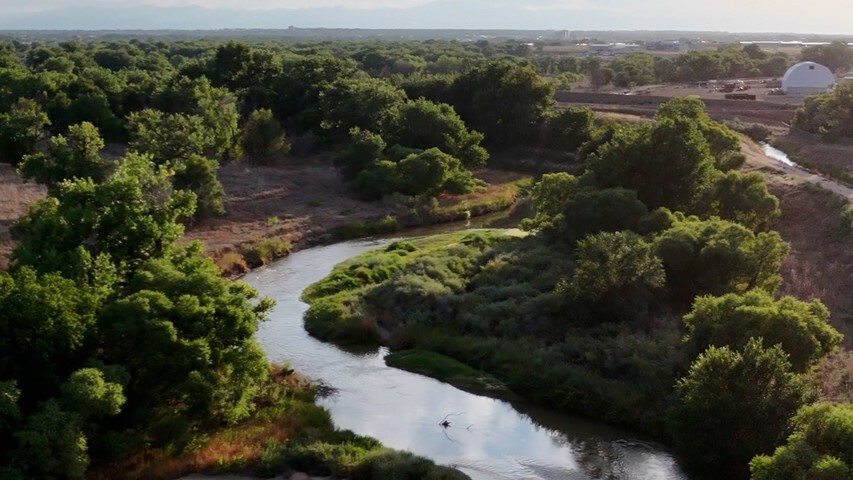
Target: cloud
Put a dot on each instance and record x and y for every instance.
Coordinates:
(575, 6)
(292, 4)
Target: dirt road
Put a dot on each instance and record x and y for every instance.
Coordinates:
(757, 159)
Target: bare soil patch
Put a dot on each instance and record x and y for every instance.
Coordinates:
(15, 198)
(290, 201)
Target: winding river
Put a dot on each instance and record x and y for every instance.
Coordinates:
(487, 438)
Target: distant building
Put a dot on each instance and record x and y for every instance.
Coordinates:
(613, 48)
(806, 78)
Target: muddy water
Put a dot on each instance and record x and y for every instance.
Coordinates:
(487, 438)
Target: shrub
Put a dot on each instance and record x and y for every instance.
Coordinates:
(569, 128)
(733, 405)
(820, 448)
(267, 250)
(802, 329)
(263, 138)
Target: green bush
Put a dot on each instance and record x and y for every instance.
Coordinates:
(267, 250)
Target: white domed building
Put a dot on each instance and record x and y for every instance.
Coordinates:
(807, 78)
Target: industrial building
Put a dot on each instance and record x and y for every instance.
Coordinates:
(807, 78)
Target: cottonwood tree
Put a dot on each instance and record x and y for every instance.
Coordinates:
(422, 124)
(821, 446)
(801, 328)
(263, 138)
(76, 155)
(21, 130)
(734, 404)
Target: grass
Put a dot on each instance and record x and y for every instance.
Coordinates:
(338, 310)
(266, 250)
(289, 433)
(815, 162)
(447, 370)
(231, 263)
(500, 195)
(366, 228)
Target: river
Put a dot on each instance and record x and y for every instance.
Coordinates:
(487, 439)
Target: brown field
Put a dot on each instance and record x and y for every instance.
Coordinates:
(15, 197)
(768, 113)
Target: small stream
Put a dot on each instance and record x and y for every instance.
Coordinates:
(488, 439)
(776, 154)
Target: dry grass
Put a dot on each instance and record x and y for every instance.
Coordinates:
(821, 261)
(241, 445)
(15, 198)
(832, 159)
(834, 377)
(307, 198)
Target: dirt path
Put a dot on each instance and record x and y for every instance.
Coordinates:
(757, 159)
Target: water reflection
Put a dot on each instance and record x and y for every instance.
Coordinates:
(487, 439)
(777, 154)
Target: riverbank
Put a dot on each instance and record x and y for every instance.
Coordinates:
(404, 410)
(273, 211)
(486, 301)
(290, 436)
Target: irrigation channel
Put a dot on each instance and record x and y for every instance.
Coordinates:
(488, 439)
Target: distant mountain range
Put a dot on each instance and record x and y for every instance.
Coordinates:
(444, 14)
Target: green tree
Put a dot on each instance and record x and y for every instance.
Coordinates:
(618, 274)
(549, 196)
(717, 257)
(723, 143)
(196, 330)
(364, 148)
(264, 140)
(21, 130)
(168, 137)
(131, 217)
(593, 211)
(95, 109)
(829, 115)
(368, 104)
(569, 128)
(422, 124)
(44, 325)
(668, 165)
(802, 329)
(735, 404)
(503, 99)
(432, 172)
(743, 198)
(820, 448)
(75, 156)
(197, 174)
(179, 142)
(836, 56)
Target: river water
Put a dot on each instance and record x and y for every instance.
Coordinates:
(777, 154)
(487, 439)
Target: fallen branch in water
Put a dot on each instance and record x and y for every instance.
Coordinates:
(446, 423)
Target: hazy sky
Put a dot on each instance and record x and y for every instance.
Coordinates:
(816, 16)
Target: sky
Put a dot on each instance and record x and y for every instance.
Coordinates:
(796, 16)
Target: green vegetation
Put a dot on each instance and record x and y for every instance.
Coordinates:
(820, 446)
(828, 114)
(447, 370)
(631, 301)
